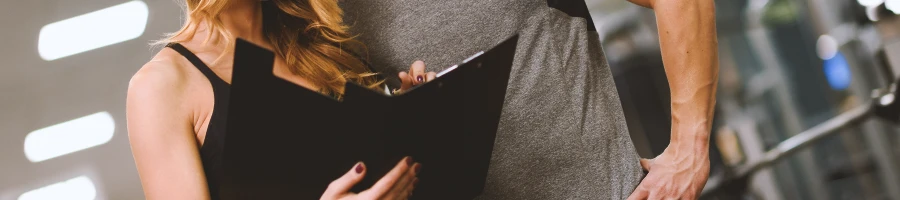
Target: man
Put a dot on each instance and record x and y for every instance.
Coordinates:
(562, 133)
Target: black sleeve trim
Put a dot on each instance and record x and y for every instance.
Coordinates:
(575, 8)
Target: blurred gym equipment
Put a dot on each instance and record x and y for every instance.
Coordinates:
(795, 74)
(733, 182)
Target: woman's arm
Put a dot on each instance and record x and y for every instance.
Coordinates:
(687, 34)
(162, 139)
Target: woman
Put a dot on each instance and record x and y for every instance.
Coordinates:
(176, 125)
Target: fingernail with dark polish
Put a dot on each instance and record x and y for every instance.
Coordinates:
(359, 168)
(416, 182)
(418, 168)
(409, 161)
(420, 79)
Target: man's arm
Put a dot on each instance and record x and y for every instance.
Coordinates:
(687, 33)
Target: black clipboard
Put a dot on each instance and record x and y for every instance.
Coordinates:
(284, 141)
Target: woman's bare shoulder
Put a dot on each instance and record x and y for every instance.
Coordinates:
(165, 76)
(167, 70)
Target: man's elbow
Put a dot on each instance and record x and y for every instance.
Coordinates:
(700, 8)
(644, 3)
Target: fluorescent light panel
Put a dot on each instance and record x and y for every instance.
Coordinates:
(870, 3)
(78, 188)
(93, 30)
(893, 6)
(69, 137)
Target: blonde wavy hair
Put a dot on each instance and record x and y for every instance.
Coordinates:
(308, 34)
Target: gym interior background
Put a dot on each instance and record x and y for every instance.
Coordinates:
(786, 66)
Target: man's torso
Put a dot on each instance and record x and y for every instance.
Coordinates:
(562, 133)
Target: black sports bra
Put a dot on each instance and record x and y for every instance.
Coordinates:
(211, 153)
(213, 145)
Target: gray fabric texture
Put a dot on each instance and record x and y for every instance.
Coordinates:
(562, 132)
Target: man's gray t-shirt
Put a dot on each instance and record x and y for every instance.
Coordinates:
(562, 133)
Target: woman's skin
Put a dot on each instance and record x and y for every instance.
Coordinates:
(170, 103)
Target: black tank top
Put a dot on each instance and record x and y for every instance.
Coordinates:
(213, 145)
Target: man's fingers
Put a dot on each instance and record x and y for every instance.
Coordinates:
(639, 194)
(390, 179)
(417, 70)
(646, 163)
(342, 185)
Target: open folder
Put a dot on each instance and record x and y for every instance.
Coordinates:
(284, 141)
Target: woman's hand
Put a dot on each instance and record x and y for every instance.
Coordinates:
(414, 77)
(397, 184)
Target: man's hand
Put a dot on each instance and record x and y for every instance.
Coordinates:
(674, 174)
(687, 37)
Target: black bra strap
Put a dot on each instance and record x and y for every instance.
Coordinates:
(197, 63)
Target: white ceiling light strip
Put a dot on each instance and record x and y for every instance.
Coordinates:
(93, 30)
(69, 137)
(78, 188)
(870, 3)
(893, 6)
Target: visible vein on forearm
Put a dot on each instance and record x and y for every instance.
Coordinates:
(689, 49)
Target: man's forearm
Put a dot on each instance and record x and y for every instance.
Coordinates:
(687, 38)
(687, 33)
